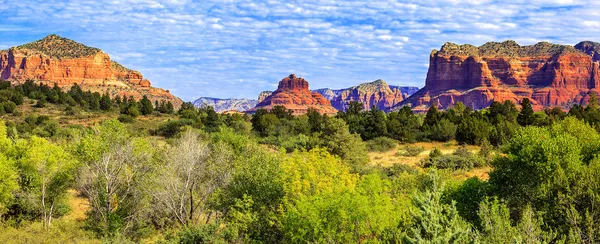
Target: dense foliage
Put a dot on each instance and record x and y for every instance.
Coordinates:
(276, 177)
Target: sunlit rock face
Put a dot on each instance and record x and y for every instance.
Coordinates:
(294, 94)
(57, 60)
(548, 74)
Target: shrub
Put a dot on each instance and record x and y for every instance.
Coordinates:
(126, 118)
(435, 153)
(397, 169)
(173, 127)
(381, 144)
(453, 162)
(410, 151)
(463, 152)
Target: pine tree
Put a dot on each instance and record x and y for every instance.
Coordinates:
(435, 221)
(105, 102)
(146, 106)
(526, 116)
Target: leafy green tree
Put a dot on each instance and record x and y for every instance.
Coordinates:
(506, 111)
(315, 120)
(526, 116)
(541, 173)
(8, 171)
(339, 141)
(282, 112)
(324, 202)
(131, 108)
(353, 116)
(116, 178)
(49, 170)
(432, 117)
(255, 188)
(211, 119)
(473, 129)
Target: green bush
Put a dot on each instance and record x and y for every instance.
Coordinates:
(435, 153)
(173, 127)
(381, 144)
(126, 118)
(398, 169)
(410, 151)
(453, 162)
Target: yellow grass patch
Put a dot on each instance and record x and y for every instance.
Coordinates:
(394, 156)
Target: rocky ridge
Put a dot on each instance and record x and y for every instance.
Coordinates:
(548, 74)
(225, 105)
(61, 61)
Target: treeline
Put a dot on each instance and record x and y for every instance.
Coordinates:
(75, 97)
(494, 125)
(224, 186)
(214, 180)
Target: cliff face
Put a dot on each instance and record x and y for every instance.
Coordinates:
(548, 74)
(377, 93)
(225, 105)
(293, 93)
(62, 61)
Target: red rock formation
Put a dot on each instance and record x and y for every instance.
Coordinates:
(62, 61)
(548, 74)
(293, 93)
(377, 93)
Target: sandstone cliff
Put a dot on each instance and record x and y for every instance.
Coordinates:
(293, 93)
(65, 62)
(548, 74)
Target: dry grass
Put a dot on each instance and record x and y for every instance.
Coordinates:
(79, 206)
(389, 158)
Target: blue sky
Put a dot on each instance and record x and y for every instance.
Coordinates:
(237, 49)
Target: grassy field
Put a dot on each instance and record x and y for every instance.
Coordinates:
(397, 156)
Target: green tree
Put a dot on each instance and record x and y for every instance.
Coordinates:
(403, 125)
(434, 221)
(324, 202)
(443, 131)
(8, 171)
(526, 115)
(49, 170)
(106, 103)
(339, 141)
(552, 169)
(373, 124)
(145, 106)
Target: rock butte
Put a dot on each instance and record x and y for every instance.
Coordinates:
(57, 60)
(377, 93)
(548, 74)
(293, 93)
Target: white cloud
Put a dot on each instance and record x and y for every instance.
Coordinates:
(204, 48)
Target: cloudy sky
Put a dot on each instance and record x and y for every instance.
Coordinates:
(233, 49)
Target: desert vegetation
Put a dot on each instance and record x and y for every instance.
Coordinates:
(142, 172)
